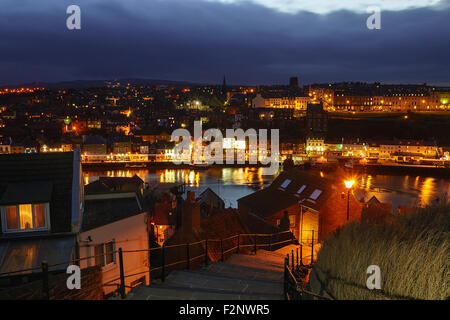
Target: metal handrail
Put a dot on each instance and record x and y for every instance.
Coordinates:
(44, 267)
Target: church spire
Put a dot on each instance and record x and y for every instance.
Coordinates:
(224, 85)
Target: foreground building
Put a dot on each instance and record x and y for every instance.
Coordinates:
(41, 205)
(314, 205)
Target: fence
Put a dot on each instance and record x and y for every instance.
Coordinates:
(162, 260)
(294, 272)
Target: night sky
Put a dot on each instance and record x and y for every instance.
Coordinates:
(250, 42)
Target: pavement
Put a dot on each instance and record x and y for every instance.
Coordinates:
(241, 277)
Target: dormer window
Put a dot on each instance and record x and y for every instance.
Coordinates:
(25, 217)
(285, 184)
(25, 207)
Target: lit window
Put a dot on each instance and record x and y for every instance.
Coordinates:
(316, 193)
(285, 183)
(301, 189)
(25, 217)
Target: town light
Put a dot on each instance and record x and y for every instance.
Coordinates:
(349, 183)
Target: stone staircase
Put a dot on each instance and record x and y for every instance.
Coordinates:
(246, 277)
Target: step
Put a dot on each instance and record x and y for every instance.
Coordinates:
(207, 280)
(247, 272)
(164, 292)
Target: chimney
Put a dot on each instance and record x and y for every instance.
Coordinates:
(284, 222)
(190, 217)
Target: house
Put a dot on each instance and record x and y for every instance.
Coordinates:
(315, 205)
(5, 145)
(222, 230)
(41, 207)
(153, 135)
(94, 145)
(209, 200)
(114, 218)
(162, 207)
(122, 145)
(375, 212)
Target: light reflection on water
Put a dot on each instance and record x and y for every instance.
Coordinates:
(403, 190)
(234, 183)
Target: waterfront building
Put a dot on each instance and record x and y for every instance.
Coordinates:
(280, 100)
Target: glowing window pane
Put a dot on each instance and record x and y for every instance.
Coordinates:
(39, 215)
(25, 216)
(11, 217)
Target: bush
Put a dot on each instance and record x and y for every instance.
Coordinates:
(412, 252)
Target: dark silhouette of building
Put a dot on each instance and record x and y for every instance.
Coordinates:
(293, 82)
(316, 120)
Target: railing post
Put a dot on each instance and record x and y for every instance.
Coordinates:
(77, 253)
(206, 252)
(255, 243)
(149, 267)
(122, 275)
(238, 242)
(312, 248)
(301, 254)
(221, 250)
(297, 257)
(292, 259)
(163, 263)
(188, 257)
(45, 289)
(285, 282)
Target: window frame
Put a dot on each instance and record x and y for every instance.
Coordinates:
(46, 226)
(104, 254)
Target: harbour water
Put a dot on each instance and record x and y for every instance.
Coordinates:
(233, 183)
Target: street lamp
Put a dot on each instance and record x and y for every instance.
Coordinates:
(348, 185)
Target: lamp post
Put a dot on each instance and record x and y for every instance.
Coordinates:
(348, 185)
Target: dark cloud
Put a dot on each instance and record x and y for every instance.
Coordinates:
(201, 41)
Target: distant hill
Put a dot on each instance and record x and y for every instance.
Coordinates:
(99, 83)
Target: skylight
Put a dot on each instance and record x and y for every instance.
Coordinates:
(316, 193)
(301, 189)
(285, 183)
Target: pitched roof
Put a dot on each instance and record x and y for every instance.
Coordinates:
(33, 192)
(27, 253)
(281, 194)
(101, 212)
(110, 184)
